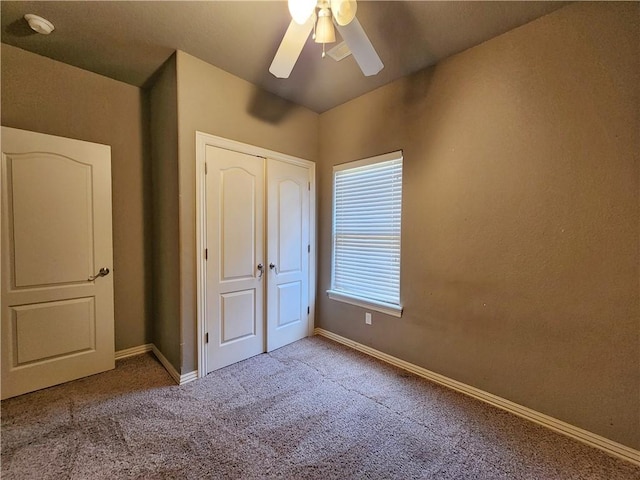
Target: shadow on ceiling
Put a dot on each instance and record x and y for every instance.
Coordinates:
(19, 28)
(268, 107)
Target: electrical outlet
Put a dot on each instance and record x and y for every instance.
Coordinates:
(367, 318)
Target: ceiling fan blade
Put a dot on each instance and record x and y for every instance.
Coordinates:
(361, 48)
(290, 47)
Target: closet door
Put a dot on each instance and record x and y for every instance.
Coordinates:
(288, 253)
(257, 267)
(235, 266)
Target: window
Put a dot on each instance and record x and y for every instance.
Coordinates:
(367, 207)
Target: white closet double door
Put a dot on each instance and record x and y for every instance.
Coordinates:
(258, 255)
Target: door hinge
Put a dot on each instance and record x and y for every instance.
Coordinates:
(309, 184)
(206, 254)
(308, 248)
(308, 310)
(206, 337)
(205, 168)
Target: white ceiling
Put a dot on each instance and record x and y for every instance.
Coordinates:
(129, 40)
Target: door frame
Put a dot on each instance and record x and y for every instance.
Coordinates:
(202, 141)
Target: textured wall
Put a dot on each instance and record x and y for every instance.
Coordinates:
(47, 96)
(163, 117)
(520, 263)
(213, 101)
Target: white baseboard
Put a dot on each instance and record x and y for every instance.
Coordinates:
(166, 364)
(150, 347)
(584, 436)
(179, 379)
(130, 352)
(188, 377)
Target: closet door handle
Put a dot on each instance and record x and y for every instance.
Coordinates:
(261, 269)
(272, 266)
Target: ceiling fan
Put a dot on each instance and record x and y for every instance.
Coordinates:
(342, 13)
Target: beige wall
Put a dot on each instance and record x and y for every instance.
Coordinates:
(46, 96)
(213, 101)
(163, 116)
(520, 263)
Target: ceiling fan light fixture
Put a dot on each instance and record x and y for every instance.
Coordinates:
(344, 11)
(321, 25)
(325, 33)
(301, 10)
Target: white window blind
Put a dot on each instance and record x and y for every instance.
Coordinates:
(366, 229)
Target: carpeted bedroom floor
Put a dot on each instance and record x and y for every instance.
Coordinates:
(313, 409)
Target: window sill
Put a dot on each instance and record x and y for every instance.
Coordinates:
(382, 307)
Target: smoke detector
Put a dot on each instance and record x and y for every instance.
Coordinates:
(39, 24)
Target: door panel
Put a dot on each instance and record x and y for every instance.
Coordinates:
(289, 306)
(238, 316)
(235, 239)
(290, 219)
(288, 245)
(52, 329)
(238, 214)
(57, 322)
(42, 185)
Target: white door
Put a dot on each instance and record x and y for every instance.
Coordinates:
(235, 266)
(57, 319)
(288, 253)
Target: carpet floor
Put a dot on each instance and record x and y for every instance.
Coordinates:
(311, 410)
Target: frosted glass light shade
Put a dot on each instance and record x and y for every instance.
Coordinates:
(301, 10)
(325, 33)
(344, 11)
(39, 24)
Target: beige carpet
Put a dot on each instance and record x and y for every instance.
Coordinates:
(313, 409)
